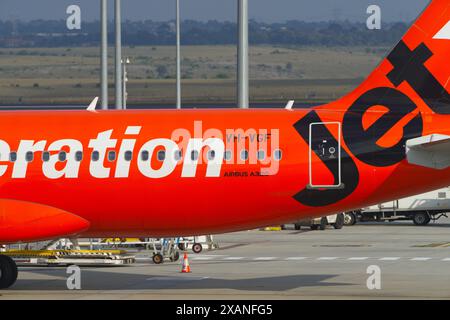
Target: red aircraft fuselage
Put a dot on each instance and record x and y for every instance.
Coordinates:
(172, 173)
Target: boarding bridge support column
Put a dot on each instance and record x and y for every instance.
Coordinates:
(242, 64)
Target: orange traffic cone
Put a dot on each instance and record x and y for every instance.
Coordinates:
(186, 268)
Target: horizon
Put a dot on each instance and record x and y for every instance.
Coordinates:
(208, 21)
(264, 11)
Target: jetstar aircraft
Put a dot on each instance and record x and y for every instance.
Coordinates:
(171, 173)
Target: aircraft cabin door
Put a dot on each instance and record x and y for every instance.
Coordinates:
(325, 155)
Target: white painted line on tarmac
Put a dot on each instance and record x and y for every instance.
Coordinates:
(202, 258)
(188, 278)
(287, 259)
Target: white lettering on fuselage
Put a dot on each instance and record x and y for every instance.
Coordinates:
(70, 168)
(55, 167)
(103, 142)
(195, 146)
(168, 164)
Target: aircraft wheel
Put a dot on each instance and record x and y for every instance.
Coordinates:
(158, 258)
(421, 219)
(349, 219)
(197, 248)
(314, 227)
(323, 223)
(340, 221)
(8, 272)
(297, 226)
(182, 246)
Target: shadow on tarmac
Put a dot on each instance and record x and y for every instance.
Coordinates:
(55, 280)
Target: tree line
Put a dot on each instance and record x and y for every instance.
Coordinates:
(53, 33)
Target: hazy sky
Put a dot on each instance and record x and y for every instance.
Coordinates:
(261, 10)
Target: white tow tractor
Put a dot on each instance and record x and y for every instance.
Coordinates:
(197, 243)
(169, 249)
(165, 249)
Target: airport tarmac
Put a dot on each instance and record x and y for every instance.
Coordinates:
(331, 264)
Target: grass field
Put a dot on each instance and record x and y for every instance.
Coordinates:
(71, 76)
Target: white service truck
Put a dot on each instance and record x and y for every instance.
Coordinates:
(421, 209)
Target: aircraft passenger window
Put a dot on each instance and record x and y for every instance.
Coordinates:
(128, 155)
(45, 156)
(227, 155)
(178, 155)
(261, 155)
(194, 155)
(211, 155)
(161, 155)
(95, 156)
(79, 156)
(62, 156)
(29, 156)
(111, 156)
(244, 155)
(145, 155)
(442, 195)
(13, 156)
(277, 155)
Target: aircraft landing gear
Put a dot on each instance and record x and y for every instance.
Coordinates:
(8, 272)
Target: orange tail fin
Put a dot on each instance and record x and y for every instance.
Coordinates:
(418, 68)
